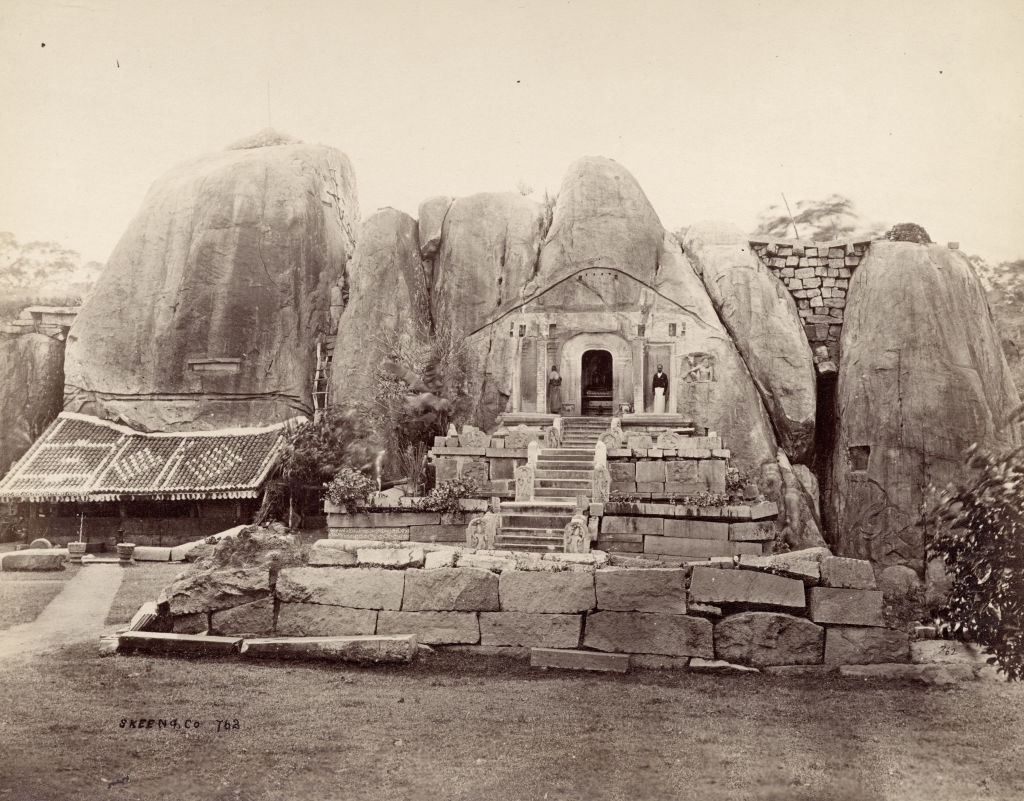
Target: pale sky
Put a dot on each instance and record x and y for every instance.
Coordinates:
(913, 108)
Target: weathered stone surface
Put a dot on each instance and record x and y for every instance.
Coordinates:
(708, 585)
(680, 546)
(697, 529)
(457, 589)
(898, 581)
(432, 628)
(915, 390)
(768, 638)
(947, 652)
(846, 607)
(323, 620)
(359, 588)
(256, 618)
(178, 644)
(852, 574)
(332, 553)
(492, 561)
(865, 645)
(232, 258)
(209, 590)
(658, 662)
(444, 557)
(194, 623)
(762, 319)
(343, 649)
(34, 559)
(386, 255)
(649, 633)
(651, 590)
(150, 553)
(578, 660)
(395, 558)
(526, 629)
(939, 675)
(431, 214)
(31, 391)
(700, 665)
(521, 591)
(798, 516)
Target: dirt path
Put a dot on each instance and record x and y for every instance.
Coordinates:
(75, 615)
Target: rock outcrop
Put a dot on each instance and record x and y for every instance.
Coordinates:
(762, 319)
(388, 305)
(922, 377)
(31, 389)
(209, 307)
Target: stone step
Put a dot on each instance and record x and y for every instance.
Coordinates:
(549, 540)
(548, 493)
(538, 507)
(587, 466)
(562, 483)
(566, 453)
(545, 474)
(535, 522)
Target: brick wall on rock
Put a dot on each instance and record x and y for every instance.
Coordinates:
(817, 275)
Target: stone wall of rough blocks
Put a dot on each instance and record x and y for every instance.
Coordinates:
(663, 473)
(803, 608)
(817, 275)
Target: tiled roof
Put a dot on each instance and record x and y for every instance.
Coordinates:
(82, 458)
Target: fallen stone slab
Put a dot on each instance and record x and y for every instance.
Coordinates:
(528, 629)
(927, 674)
(846, 607)
(658, 662)
(33, 559)
(700, 665)
(865, 645)
(649, 633)
(947, 652)
(768, 638)
(323, 620)
(210, 590)
(806, 570)
(154, 642)
(844, 573)
(642, 590)
(144, 617)
(712, 586)
(432, 628)
(564, 593)
(394, 558)
(151, 553)
(799, 671)
(358, 588)
(109, 644)
(450, 589)
(371, 649)
(569, 659)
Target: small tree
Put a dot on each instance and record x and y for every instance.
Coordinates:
(977, 529)
(832, 217)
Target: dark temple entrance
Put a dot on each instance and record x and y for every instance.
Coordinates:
(596, 383)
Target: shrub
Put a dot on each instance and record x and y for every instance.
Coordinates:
(908, 232)
(702, 499)
(350, 488)
(445, 496)
(977, 529)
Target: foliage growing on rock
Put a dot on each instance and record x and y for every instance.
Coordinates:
(977, 529)
(445, 496)
(316, 451)
(255, 546)
(908, 232)
(350, 488)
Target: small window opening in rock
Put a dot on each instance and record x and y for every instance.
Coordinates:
(641, 330)
(671, 329)
(512, 329)
(522, 330)
(552, 327)
(859, 457)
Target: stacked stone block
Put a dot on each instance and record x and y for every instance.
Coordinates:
(817, 275)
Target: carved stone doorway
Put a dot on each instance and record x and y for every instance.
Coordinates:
(596, 382)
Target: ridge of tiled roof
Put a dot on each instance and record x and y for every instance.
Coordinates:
(83, 458)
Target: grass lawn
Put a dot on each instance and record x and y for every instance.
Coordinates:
(24, 594)
(142, 582)
(461, 727)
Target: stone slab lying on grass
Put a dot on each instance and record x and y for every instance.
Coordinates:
(844, 573)
(927, 674)
(356, 587)
(799, 671)
(256, 618)
(946, 652)
(642, 590)
(566, 593)
(451, 589)
(846, 607)
(649, 633)
(865, 645)
(578, 660)
(658, 662)
(712, 586)
(768, 638)
(322, 620)
(526, 629)
(34, 559)
(109, 644)
(371, 649)
(699, 665)
(207, 590)
(432, 628)
(155, 642)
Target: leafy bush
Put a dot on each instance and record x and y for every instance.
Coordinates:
(977, 529)
(702, 499)
(316, 451)
(350, 488)
(908, 232)
(445, 496)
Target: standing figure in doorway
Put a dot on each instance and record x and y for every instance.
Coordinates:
(554, 391)
(659, 386)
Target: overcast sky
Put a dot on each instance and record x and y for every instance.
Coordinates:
(913, 108)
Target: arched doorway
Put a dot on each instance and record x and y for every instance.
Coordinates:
(596, 382)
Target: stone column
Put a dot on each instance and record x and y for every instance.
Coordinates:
(639, 347)
(542, 375)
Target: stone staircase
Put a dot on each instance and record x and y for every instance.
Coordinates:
(561, 476)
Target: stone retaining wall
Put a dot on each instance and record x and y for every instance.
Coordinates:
(805, 608)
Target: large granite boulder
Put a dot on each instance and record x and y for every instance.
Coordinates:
(431, 213)
(208, 310)
(922, 377)
(31, 391)
(762, 319)
(388, 304)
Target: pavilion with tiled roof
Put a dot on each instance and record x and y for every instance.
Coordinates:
(84, 466)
